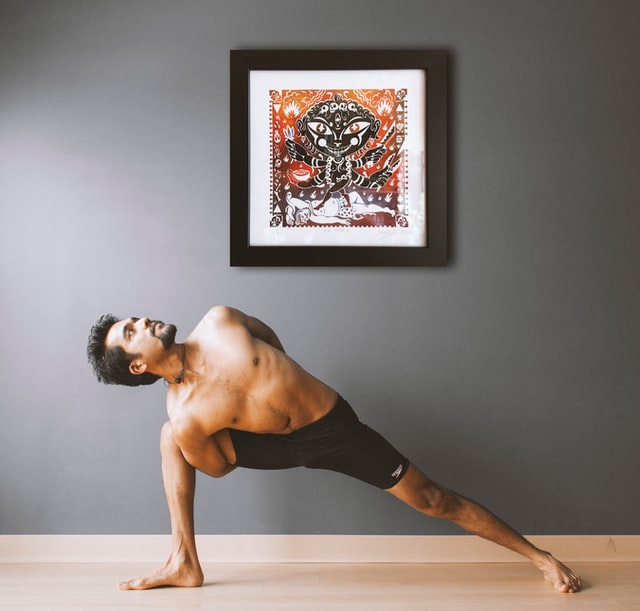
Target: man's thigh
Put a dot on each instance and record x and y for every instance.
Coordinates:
(365, 455)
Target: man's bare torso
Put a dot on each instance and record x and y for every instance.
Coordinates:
(236, 377)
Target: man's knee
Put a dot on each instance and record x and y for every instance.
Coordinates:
(437, 501)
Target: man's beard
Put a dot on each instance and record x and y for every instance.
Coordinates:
(167, 335)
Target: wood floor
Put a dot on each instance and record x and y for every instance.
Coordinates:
(310, 587)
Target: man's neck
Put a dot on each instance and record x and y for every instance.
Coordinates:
(172, 369)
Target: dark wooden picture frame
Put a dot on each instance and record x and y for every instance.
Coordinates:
(253, 163)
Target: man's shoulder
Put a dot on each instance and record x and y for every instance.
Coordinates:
(222, 330)
(223, 314)
(217, 312)
(197, 411)
(182, 417)
(218, 316)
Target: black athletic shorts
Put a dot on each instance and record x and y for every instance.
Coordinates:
(338, 442)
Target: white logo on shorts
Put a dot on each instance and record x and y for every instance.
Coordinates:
(398, 471)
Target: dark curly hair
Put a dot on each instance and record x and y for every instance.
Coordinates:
(111, 365)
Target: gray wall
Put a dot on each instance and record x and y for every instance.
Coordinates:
(510, 375)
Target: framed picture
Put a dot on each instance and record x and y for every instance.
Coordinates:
(338, 158)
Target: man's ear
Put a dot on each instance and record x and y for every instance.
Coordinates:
(137, 366)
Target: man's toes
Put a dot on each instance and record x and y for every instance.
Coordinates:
(131, 584)
(571, 586)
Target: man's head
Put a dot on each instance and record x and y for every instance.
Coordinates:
(120, 350)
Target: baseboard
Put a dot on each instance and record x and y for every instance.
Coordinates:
(310, 548)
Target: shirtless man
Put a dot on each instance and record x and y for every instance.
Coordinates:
(235, 399)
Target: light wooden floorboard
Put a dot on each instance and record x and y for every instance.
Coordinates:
(310, 587)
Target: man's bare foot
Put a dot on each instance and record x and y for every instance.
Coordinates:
(178, 573)
(562, 577)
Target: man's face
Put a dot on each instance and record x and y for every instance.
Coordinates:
(141, 336)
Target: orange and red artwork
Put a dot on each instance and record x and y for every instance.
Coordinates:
(337, 158)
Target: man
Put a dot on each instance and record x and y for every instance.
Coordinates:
(235, 399)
